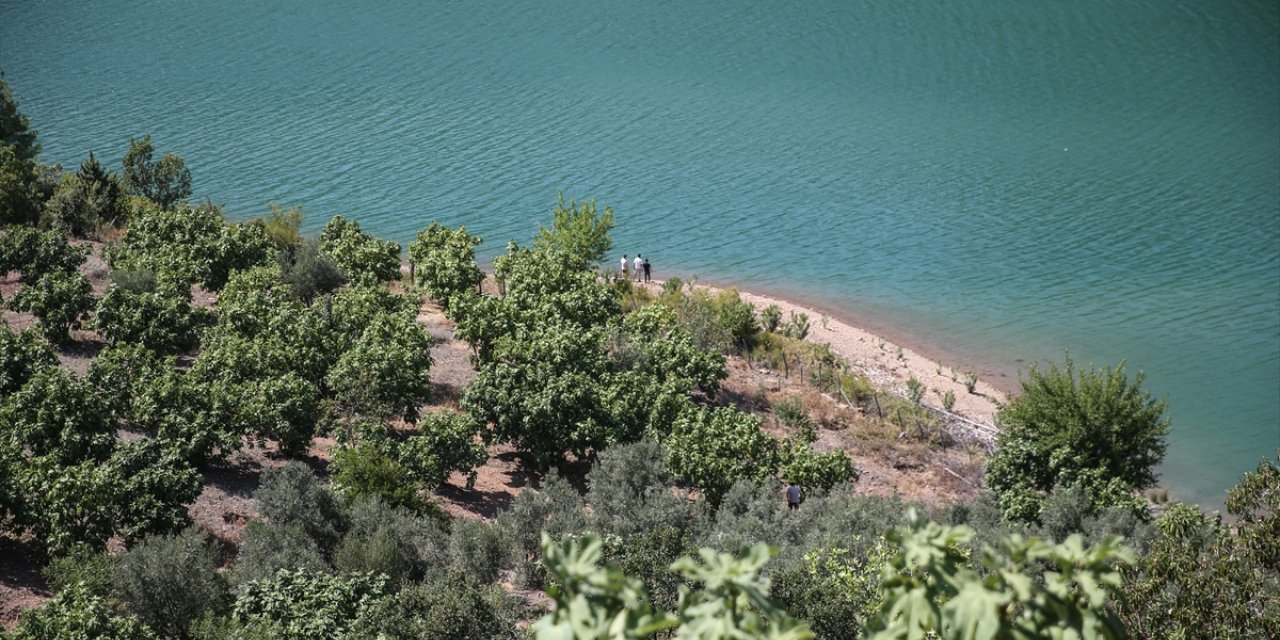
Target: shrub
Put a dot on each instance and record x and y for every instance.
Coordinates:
(457, 607)
(122, 372)
(630, 492)
(365, 471)
(293, 495)
(971, 381)
(309, 272)
(360, 256)
(22, 355)
(154, 486)
(60, 416)
(1095, 427)
(134, 280)
(837, 591)
(307, 604)
(915, 391)
(556, 509)
(476, 549)
(797, 327)
(385, 374)
(267, 547)
(445, 262)
(161, 320)
(770, 318)
(393, 542)
(58, 300)
(85, 200)
(164, 181)
(74, 613)
(815, 472)
(169, 581)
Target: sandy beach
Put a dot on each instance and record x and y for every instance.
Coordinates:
(885, 362)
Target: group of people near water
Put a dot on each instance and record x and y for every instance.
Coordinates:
(639, 268)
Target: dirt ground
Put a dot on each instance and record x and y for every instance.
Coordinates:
(890, 461)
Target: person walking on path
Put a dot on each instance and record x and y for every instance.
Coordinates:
(646, 269)
(639, 266)
(794, 496)
(625, 265)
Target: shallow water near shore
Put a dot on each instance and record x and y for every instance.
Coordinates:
(993, 181)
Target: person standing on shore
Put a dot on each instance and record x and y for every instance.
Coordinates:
(625, 265)
(639, 265)
(646, 269)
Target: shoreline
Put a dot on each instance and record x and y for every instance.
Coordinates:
(875, 352)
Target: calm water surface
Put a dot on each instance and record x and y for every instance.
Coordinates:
(997, 180)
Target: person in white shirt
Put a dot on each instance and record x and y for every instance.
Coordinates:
(625, 265)
(639, 266)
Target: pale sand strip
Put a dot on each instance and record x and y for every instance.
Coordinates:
(878, 359)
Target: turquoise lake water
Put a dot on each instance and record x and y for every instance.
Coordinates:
(993, 181)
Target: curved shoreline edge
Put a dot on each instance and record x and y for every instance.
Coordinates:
(887, 363)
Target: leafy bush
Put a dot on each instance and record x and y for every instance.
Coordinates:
(360, 256)
(456, 607)
(122, 372)
(165, 181)
(153, 485)
(169, 581)
(392, 542)
(92, 570)
(445, 442)
(22, 355)
(267, 547)
(57, 300)
(307, 604)
(293, 495)
(365, 471)
(74, 613)
(445, 262)
(797, 327)
(161, 320)
(476, 549)
(815, 472)
(578, 230)
(1095, 427)
(385, 374)
(915, 390)
(712, 449)
(136, 281)
(835, 590)
(58, 416)
(929, 586)
(185, 245)
(36, 253)
(309, 272)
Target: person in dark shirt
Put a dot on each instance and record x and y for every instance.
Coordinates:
(794, 496)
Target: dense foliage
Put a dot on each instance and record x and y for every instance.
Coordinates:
(1094, 428)
(361, 257)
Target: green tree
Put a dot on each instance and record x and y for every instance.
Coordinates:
(58, 300)
(22, 355)
(712, 449)
(1204, 578)
(165, 181)
(189, 244)
(1093, 426)
(445, 262)
(15, 131)
(578, 230)
(20, 190)
(169, 581)
(445, 443)
(35, 253)
(161, 320)
(361, 256)
(931, 590)
(85, 200)
(74, 613)
(307, 604)
(385, 373)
